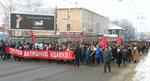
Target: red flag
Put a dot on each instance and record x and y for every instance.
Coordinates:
(119, 40)
(103, 42)
(33, 37)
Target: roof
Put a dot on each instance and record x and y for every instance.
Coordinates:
(48, 13)
(113, 27)
(111, 35)
(82, 9)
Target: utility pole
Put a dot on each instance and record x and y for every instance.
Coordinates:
(55, 19)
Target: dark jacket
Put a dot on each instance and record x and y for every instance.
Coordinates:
(119, 57)
(78, 52)
(114, 52)
(124, 53)
(107, 56)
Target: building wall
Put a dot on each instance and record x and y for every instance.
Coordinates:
(81, 20)
(93, 23)
(68, 16)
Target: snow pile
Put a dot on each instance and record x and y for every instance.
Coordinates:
(143, 70)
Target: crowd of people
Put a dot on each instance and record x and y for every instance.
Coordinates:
(86, 52)
(114, 53)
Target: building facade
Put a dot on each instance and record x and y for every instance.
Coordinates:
(114, 32)
(114, 29)
(81, 20)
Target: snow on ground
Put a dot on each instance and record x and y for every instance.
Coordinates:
(143, 69)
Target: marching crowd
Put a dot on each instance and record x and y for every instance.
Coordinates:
(86, 52)
(119, 54)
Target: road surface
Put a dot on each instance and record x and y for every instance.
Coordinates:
(44, 71)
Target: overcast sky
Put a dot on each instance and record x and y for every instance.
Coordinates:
(136, 11)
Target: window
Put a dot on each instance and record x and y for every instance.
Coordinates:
(110, 32)
(117, 32)
(68, 27)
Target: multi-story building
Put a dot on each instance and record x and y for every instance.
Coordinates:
(81, 20)
(73, 21)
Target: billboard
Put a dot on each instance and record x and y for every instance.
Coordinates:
(35, 22)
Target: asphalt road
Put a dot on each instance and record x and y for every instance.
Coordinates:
(44, 71)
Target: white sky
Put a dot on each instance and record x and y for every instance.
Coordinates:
(136, 11)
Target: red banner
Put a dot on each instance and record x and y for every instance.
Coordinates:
(38, 54)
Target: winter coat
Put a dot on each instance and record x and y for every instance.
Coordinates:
(98, 53)
(107, 56)
(124, 53)
(78, 53)
(119, 57)
(136, 55)
(114, 52)
(87, 53)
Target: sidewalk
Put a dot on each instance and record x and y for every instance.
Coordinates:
(126, 74)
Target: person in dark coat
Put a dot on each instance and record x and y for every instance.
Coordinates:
(119, 56)
(124, 55)
(78, 55)
(130, 56)
(107, 54)
(87, 54)
(7, 55)
(92, 55)
(114, 53)
(82, 53)
(2, 50)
